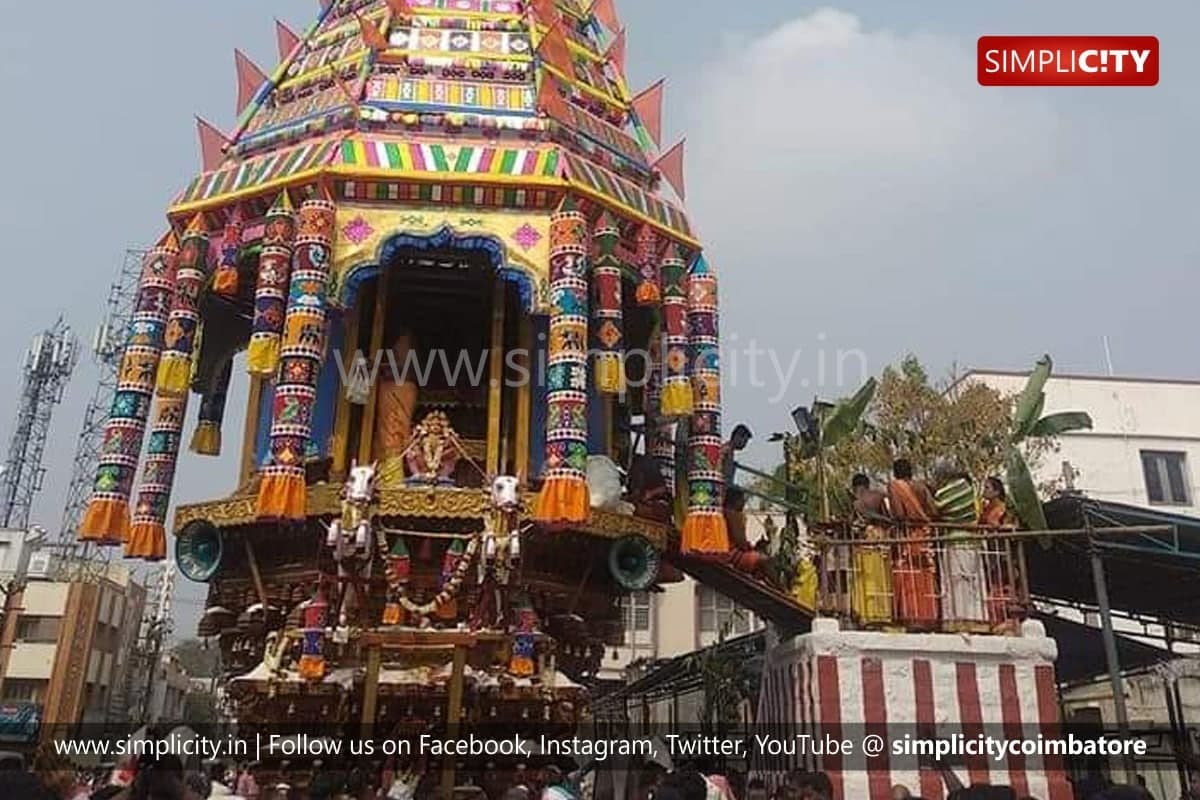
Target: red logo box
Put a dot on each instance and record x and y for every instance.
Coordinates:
(1068, 60)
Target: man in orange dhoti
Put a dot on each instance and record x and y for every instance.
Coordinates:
(395, 405)
(914, 580)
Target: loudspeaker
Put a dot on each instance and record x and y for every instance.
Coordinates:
(198, 550)
(633, 563)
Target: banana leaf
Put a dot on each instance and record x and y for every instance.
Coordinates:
(1055, 424)
(1022, 492)
(847, 416)
(1029, 404)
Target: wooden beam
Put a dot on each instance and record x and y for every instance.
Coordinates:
(371, 689)
(250, 429)
(255, 575)
(366, 436)
(495, 378)
(454, 715)
(524, 398)
(341, 426)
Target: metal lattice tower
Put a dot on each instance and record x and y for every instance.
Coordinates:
(107, 346)
(46, 369)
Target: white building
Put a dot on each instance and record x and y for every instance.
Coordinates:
(1144, 445)
(1142, 450)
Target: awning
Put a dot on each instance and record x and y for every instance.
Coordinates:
(1081, 651)
(1152, 574)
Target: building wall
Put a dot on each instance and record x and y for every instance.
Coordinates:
(68, 646)
(1129, 417)
(1146, 703)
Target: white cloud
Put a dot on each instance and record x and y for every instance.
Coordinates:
(821, 123)
(852, 186)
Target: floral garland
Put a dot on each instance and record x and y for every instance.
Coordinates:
(449, 588)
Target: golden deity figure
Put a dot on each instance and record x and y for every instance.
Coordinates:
(433, 454)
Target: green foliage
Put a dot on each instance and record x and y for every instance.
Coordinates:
(964, 425)
(846, 417)
(1029, 424)
(1032, 399)
(199, 661)
(1060, 423)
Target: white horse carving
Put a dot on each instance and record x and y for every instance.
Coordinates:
(349, 535)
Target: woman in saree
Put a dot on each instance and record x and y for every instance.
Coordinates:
(395, 405)
(914, 580)
(962, 560)
(999, 569)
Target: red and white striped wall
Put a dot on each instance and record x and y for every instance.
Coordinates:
(850, 684)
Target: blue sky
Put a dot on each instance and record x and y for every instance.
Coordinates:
(858, 192)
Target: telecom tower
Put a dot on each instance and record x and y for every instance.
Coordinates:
(46, 370)
(106, 354)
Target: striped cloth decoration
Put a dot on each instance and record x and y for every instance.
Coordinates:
(461, 159)
(106, 520)
(704, 530)
(258, 171)
(148, 536)
(282, 491)
(564, 496)
(206, 440)
(677, 390)
(646, 255)
(607, 314)
(183, 322)
(274, 267)
(225, 281)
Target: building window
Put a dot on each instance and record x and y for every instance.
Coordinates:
(16, 689)
(719, 614)
(35, 630)
(1166, 477)
(635, 609)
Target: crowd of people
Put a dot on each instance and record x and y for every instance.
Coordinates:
(908, 563)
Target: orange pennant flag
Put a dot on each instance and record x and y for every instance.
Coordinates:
(606, 12)
(546, 11)
(287, 39)
(554, 50)
(250, 79)
(670, 165)
(648, 106)
(400, 8)
(212, 145)
(616, 52)
(551, 102)
(371, 36)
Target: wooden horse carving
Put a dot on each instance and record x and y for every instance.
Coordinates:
(349, 536)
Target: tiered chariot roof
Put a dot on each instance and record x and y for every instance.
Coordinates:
(465, 102)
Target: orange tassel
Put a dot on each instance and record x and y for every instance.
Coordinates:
(106, 522)
(563, 500)
(147, 541)
(705, 532)
(282, 497)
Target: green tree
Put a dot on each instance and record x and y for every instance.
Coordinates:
(963, 425)
(199, 660)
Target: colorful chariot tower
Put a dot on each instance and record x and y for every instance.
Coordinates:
(437, 244)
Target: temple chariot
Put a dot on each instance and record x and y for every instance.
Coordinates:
(436, 241)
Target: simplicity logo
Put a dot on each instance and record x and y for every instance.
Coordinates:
(1068, 60)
